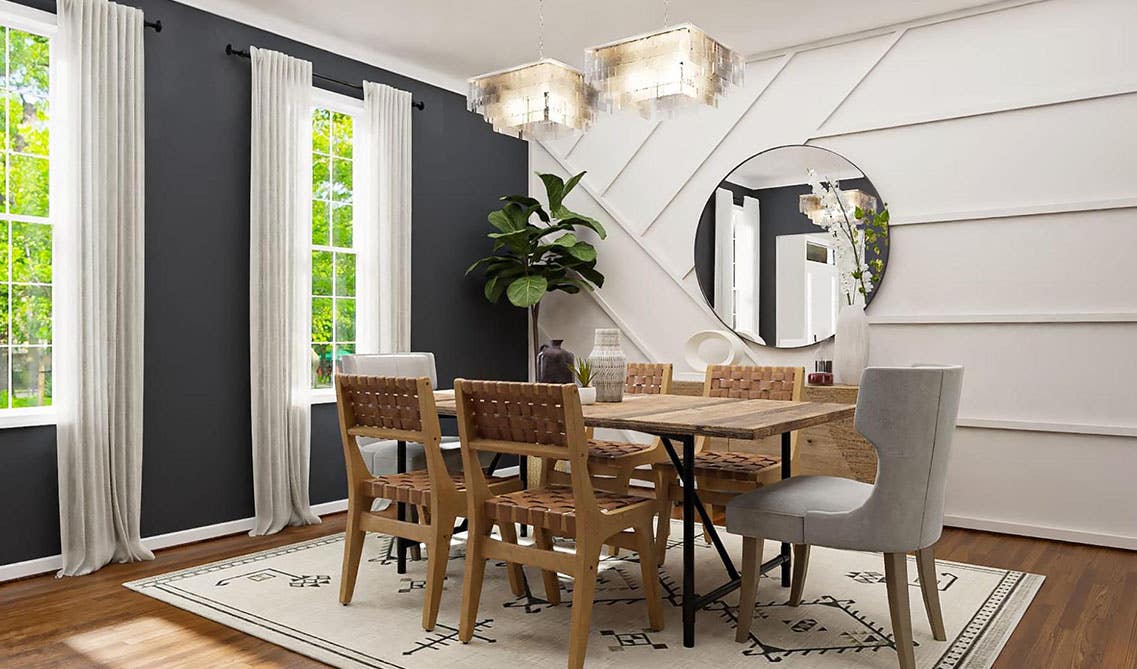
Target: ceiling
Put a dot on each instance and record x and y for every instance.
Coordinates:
(446, 41)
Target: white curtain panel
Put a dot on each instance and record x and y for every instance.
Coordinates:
(384, 219)
(99, 169)
(279, 288)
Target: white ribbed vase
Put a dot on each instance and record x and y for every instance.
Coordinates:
(609, 365)
(851, 344)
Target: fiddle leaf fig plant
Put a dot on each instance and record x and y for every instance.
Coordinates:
(532, 258)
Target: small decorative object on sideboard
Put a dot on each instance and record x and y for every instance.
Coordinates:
(555, 363)
(822, 374)
(582, 370)
(609, 365)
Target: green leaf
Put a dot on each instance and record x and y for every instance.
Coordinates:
(477, 262)
(499, 220)
(489, 288)
(571, 184)
(858, 213)
(527, 290)
(583, 251)
(518, 215)
(554, 189)
(572, 218)
(567, 239)
(523, 200)
(590, 273)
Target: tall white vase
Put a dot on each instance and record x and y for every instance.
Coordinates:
(609, 365)
(851, 345)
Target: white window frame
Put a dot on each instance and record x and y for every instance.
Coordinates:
(43, 23)
(344, 104)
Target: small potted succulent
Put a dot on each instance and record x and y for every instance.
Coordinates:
(582, 370)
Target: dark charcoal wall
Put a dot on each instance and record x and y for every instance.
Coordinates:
(780, 215)
(197, 467)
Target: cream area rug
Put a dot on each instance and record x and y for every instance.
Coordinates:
(289, 596)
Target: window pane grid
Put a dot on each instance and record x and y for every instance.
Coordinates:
(26, 277)
(332, 247)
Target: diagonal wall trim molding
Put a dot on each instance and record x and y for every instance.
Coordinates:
(624, 326)
(837, 40)
(1015, 212)
(631, 157)
(1034, 104)
(639, 241)
(883, 54)
(729, 131)
(575, 143)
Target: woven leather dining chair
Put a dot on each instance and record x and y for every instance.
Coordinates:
(909, 415)
(727, 468)
(544, 421)
(614, 464)
(403, 409)
(381, 454)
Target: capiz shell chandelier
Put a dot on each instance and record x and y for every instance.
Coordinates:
(661, 72)
(825, 210)
(542, 100)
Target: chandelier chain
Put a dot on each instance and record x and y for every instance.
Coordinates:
(666, 13)
(540, 29)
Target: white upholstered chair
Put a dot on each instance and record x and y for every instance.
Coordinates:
(909, 415)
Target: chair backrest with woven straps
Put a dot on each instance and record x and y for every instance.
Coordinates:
(389, 407)
(754, 382)
(646, 378)
(540, 420)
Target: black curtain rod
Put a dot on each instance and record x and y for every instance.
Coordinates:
(155, 25)
(417, 104)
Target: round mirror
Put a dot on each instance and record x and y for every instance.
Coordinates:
(786, 240)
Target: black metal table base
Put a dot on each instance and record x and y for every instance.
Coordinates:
(692, 602)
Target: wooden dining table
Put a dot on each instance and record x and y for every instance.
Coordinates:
(679, 418)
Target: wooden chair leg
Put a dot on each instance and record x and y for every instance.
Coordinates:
(751, 563)
(583, 592)
(543, 540)
(649, 573)
(415, 549)
(352, 549)
(516, 575)
(896, 580)
(620, 484)
(926, 567)
(662, 484)
(437, 556)
(472, 584)
(801, 566)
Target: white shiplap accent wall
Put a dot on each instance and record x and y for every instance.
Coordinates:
(1005, 141)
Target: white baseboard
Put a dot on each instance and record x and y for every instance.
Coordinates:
(42, 565)
(52, 563)
(1043, 532)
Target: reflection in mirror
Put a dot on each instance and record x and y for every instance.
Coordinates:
(770, 255)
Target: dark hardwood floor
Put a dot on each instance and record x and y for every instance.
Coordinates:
(1084, 616)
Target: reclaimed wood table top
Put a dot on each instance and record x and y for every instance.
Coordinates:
(699, 416)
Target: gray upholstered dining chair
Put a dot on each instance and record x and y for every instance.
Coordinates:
(908, 414)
